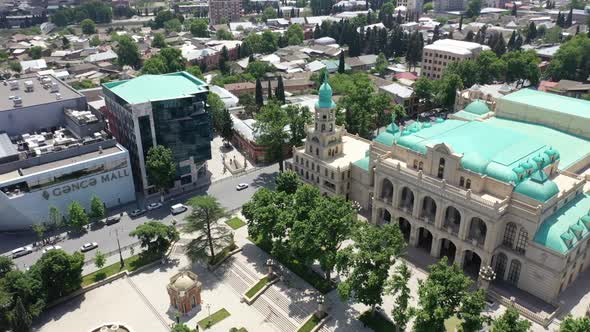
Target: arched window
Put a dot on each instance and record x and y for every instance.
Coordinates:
(514, 272)
(420, 165)
(331, 127)
(509, 234)
(336, 150)
(522, 242)
(415, 164)
(323, 127)
(317, 151)
(193, 302)
(468, 184)
(441, 168)
(461, 181)
(310, 149)
(500, 266)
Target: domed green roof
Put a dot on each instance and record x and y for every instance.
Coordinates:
(551, 152)
(439, 120)
(518, 170)
(477, 107)
(385, 138)
(405, 132)
(501, 172)
(526, 165)
(325, 93)
(538, 160)
(474, 162)
(586, 221)
(413, 143)
(427, 125)
(538, 187)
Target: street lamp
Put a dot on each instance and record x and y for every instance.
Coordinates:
(208, 314)
(122, 262)
(321, 307)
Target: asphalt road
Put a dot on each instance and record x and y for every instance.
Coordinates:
(106, 236)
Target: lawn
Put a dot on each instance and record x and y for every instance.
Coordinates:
(131, 264)
(222, 254)
(261, 283)
(376, 322)
(312, 322)
(452, 324)
(215, 318)
(235, 223)
(303, 271)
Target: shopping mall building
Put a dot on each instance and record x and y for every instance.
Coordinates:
(506, 189)
(53, 151)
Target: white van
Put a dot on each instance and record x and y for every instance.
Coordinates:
(21, 251)
(178, 208)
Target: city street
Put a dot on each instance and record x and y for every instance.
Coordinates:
(106, 236)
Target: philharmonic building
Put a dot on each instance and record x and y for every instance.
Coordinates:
(505, 189)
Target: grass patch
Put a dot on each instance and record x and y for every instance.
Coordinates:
(223, 254)
(376, 321)
(261, 283)
(452, 324)
(302, 270)
(235, 223)
(312, 322)
(215, 318)
(131, 264)
(235, 329)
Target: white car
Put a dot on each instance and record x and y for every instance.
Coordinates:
(49, 248)
(153, 206)
(22, 251)
(136, 213)
(241, 186)
(88, 246)
(178, 208)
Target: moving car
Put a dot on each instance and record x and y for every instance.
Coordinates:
(22, 251)
(49, 248)
(153, 206)
(88, 246)
(113, 219)
(178, 208)
(137, 213)
(241, 186)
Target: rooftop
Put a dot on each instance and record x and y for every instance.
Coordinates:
(41, 90)
(550, 101)
(567, 226)
(353, 150)
(148, 88)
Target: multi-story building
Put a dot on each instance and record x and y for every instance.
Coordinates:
(449, 5)
(224, 11)
(505, 189)
(168, 110)
(438, 55)
(413, 6)
(52, 155)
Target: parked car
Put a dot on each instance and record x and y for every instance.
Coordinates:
(88, 246)
(49, 248)
(136, 213)
(178, 208)
(241, 186)
(22, 251)
(113, 219)
(153, 206)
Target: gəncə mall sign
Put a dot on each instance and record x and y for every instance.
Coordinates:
(86, 183)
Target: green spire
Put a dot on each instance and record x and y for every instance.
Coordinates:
(325, 93)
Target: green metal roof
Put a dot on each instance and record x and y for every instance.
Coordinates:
(363, 163)
(325, 93)
(147, 88)
(550, 101)
(566, 224)
(538, 187)
(467, 115)
(477, 107)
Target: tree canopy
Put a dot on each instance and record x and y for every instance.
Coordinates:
(161, 167)
(155, 236)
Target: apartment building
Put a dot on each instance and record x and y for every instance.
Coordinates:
(438, 55)
(224, 11)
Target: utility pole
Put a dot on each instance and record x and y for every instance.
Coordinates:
(122, 262)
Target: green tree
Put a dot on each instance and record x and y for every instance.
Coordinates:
(447, 89)
(270, 124)
(35, 52)
(154, 66)
(99, 259)
(280, 91)
(97, 209)
(59, 272)
(211, 234)
(264, 216)
(341, 63)
(510, 322)
(77, 217)
(181, 328)
(196, 72)
(223, 65)
(155, 236)
(95, 41)
(298, 117)
(223, 34)
(20, 319)
(294, 34)
(39, 230)
(6, 265)
(55, 216)
(159, 41)
(259, 96)
(473, 8)
(440, 296)
(161, 167)
(268, 13)
(25, 285)
(397, 286)
(173, 59)
(127, 52)
(15, 66)
(227, 125)
(199, 28)
(572, 60)
(366, 263)
(381, 64)
(472, 305)
(258, 68)
(571, 324)
(88, 26)
(287, 182)
(216, 109)
(173, 25)
(424, 90)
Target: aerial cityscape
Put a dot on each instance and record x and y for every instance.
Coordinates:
(294, 165)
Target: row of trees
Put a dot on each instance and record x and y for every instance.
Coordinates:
(97, 11)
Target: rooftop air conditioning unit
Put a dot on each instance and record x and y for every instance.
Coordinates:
(13, 85)
(29, 86)
(18, 101)
(54, 87)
